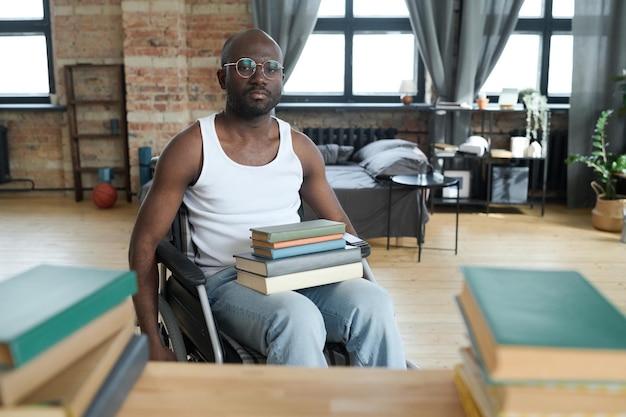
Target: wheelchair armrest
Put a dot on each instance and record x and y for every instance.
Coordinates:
(358, 242)
(183, 268)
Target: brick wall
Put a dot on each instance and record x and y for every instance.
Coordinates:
(171, 51)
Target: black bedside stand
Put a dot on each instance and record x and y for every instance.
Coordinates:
(424, 182)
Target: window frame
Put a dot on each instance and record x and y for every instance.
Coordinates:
(349, 25)
(545, 27)
(32, 27)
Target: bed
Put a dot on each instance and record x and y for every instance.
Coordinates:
(359, 175)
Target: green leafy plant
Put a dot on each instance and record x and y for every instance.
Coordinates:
(621, 86)
(526, 92)
(605, 164)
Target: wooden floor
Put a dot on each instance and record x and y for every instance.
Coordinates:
(57, 230)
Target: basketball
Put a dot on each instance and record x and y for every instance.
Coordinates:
(104, 195)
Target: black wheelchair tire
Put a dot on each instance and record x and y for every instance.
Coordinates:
(170, 331)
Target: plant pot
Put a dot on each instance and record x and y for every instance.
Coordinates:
(607, 215)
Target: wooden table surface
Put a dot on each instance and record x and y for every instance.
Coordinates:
(173, 389)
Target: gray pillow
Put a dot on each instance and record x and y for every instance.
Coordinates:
(396, 161)
(334, 154)
(378, 146)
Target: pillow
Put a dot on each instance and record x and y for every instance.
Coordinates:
(396, 161)
(334, 154)
(378, 146)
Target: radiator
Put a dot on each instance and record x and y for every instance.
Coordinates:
(351, 136)
(557, 152)
(5, 174)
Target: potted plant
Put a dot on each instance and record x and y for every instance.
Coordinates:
(537, 118)
(607, 215)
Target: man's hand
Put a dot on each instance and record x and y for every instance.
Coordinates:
(161, 353)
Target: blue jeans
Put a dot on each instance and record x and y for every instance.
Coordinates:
(291, 328)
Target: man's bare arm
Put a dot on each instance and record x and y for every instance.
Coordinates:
(178, 166)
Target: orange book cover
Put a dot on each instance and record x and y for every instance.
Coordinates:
(295, 242)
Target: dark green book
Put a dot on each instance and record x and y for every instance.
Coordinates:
(290, 231)
(42, 306)
(543, 325)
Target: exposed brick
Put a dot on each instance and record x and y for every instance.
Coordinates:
(171, 52)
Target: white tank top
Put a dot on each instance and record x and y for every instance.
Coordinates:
(229, 198)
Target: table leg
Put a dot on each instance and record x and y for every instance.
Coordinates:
(420, 226)
(389, 213)
(456, 230)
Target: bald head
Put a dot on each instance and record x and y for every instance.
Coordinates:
(246, 37)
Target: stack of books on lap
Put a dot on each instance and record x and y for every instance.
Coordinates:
(542, 343)
(67, 342)
(298, 255)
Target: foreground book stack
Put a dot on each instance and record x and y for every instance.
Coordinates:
(298, 255)
(541, 343)
(67, 342)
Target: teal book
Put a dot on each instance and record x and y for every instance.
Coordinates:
(272, 267)
(542, 398)
(300, 230)
(542, 325)
(299, 250)
(42, 306)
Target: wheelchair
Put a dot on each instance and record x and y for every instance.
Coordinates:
(185, 321)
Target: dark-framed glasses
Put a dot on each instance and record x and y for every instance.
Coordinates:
(246, 67)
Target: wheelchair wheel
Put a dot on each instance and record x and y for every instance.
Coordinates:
(170, 332)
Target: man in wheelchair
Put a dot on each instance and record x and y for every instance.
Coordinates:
(243, 168)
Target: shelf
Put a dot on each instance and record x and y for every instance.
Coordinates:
(482, 184)
(84, 85)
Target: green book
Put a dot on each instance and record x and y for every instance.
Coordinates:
(290, 231)
(543, 325)
(43, 305)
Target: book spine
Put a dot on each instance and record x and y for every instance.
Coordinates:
(300, 233)
(295, 242)
(300, 250)
(316, 260)
(121, 379)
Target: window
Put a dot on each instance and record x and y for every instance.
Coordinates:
(539, 53)
(359, 52)
(25, 44)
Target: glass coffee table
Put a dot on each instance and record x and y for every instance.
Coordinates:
(424, 182)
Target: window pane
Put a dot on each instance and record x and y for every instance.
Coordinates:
(373, 70)
(332, 8)
(518, 67)
(313, 75)
(560, 74)
(563, 8)
(375, 8)
(531, 8)
(28, 72)
(21, 9)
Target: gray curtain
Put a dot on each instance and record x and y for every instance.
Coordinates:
(289, 22)
(599, 53)
(460, 57)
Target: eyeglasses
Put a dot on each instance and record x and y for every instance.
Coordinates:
(246, 67)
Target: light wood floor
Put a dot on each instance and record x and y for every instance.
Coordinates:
(57, 230)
